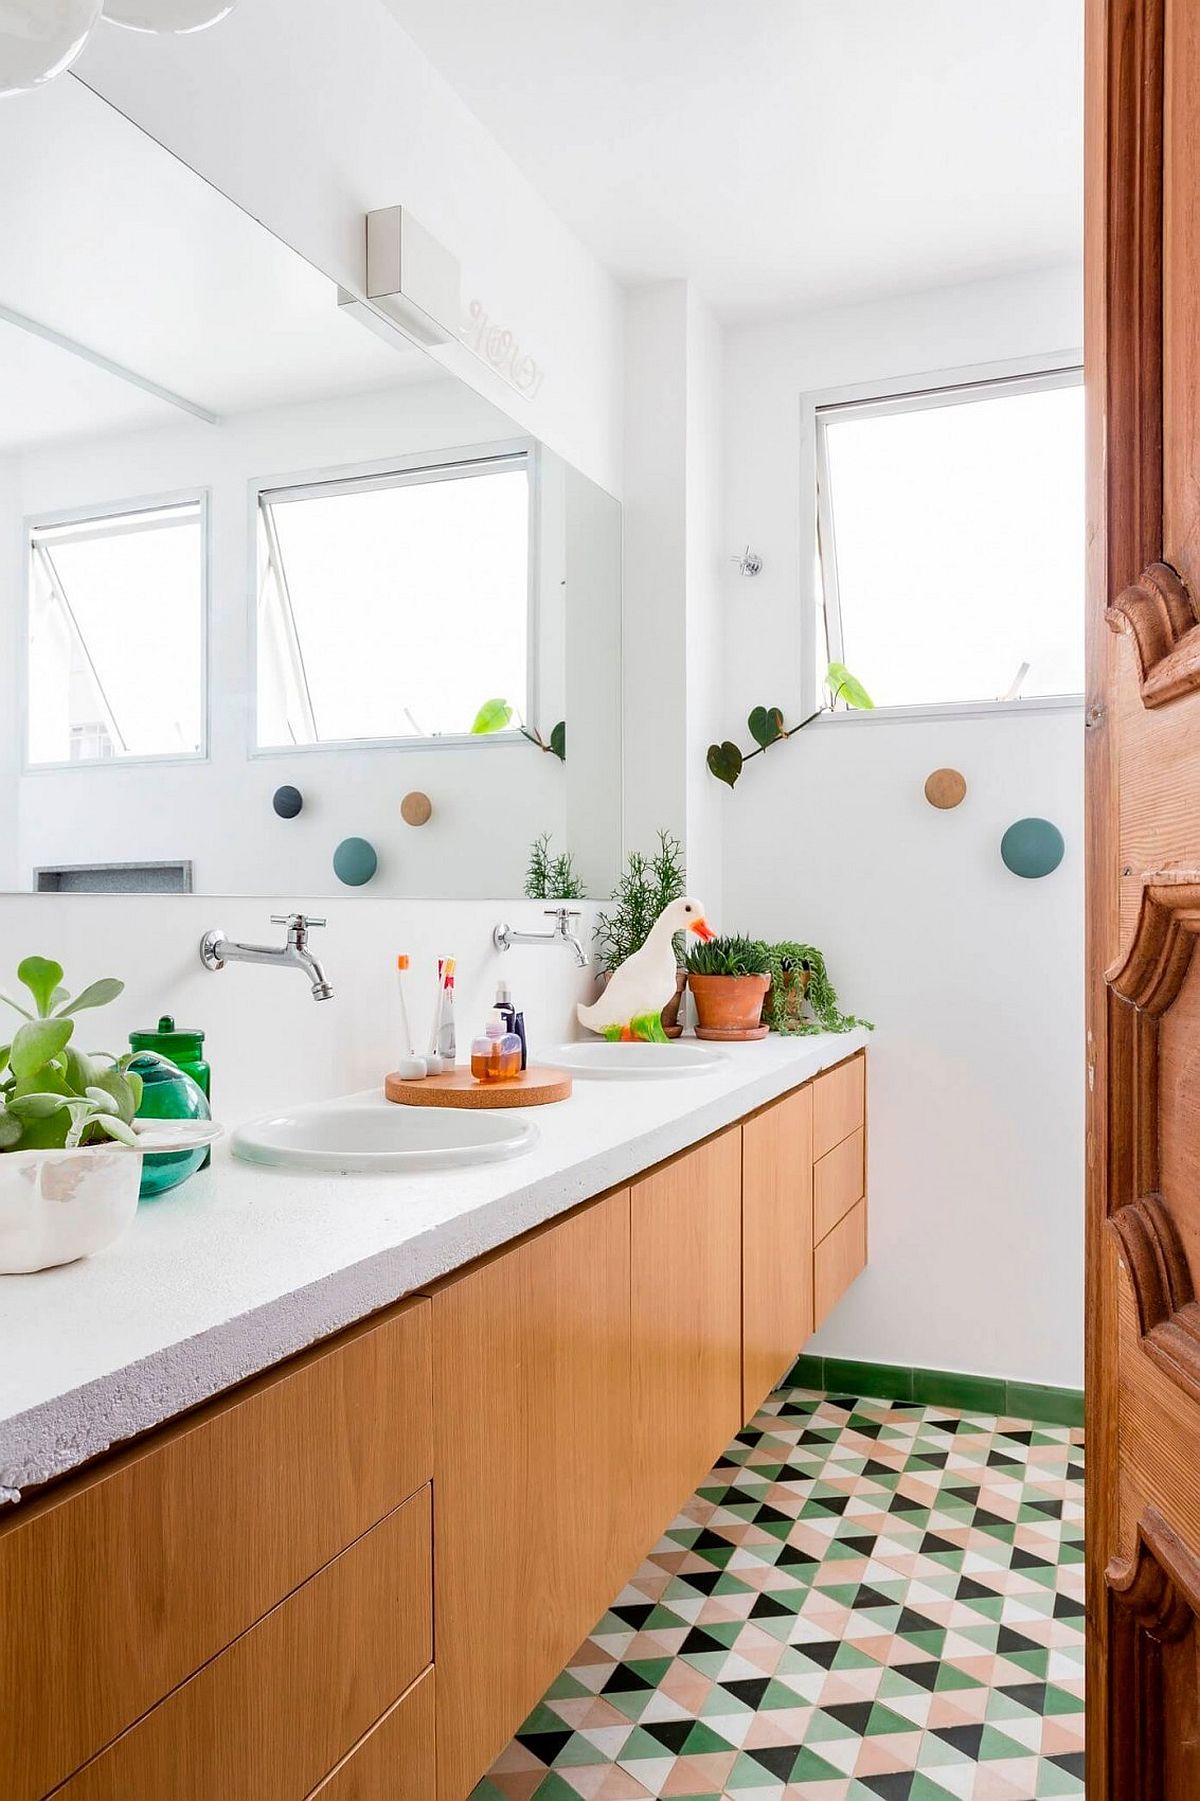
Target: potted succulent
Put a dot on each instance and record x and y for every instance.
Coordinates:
(647, 885)
(70, 1156)
(729, 979)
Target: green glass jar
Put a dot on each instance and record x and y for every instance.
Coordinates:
(167, 1093)
(184, 1047)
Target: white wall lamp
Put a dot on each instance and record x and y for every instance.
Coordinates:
(41, 38)
(411, 277)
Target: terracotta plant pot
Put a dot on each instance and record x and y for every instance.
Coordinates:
(670, 1013)
(729, 1007)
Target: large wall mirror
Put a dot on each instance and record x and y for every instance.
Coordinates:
(266, 573)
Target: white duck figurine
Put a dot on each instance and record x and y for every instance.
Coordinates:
(645, 982)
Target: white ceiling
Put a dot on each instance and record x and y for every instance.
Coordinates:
(784, 153)
(110, 241)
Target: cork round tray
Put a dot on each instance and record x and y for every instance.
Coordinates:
(458, 1088)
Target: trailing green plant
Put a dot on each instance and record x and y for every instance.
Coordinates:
(549, 877)
(52, 1095)
(726, 761)
(497, 715)
(789, 964)
(727, 956)
(646, 886)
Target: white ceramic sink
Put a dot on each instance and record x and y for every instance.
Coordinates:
(637, 1062)
(366, 1135)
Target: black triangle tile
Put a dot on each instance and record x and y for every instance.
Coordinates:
(768, 1608)
(696, 1641)
(924, 1674)
(966, 1739)
(779, 1759)
(1025, 1560)
(896, 1785)
(1066, 1608)
(747, 1689)
(821, 1650)
(634, 1615)
(867, 1599)
(544, 1745)
(1027, 1694)
(624, 1681)
(853, 1714)
(1008, 1640)
(1070, 1761)
(671, 1733)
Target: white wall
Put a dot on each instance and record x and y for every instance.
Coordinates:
(490, 799)
(309, 114)
(269, 1043)
(973, 977)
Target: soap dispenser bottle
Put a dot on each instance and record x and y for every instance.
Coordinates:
(514, 1020)
(496, 1055)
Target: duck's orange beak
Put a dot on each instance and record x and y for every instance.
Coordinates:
(702, 930)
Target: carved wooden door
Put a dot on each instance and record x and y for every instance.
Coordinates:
(1143, 719)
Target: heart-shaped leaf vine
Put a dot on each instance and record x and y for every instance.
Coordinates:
(725, 762)
(493, 716)
(766, 725)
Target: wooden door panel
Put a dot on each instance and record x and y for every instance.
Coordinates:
(1143, 819)
(777, 1243)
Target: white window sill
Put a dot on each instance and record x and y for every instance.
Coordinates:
(963, 709)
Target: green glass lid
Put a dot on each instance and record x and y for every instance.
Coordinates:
(170, 1040)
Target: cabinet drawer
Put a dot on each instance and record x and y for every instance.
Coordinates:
(128, 1580)
(839, 1257)
(274, 1713)
(838, 1182)
(839, 1104)
(394, 1761)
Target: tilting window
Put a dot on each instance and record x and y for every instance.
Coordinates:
(951, 533)
(116, 636)
(392, 606)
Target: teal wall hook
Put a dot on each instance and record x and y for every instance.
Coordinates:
(355, 862)
(1032, 848)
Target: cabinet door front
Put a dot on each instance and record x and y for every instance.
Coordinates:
(531, 1496)
(686, 1314)
(777, 1243)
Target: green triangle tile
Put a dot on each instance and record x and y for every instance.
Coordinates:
(1059, 1701)
(746, 1774)
(822, 1727)
(950, 1678)
(1037, 1662)
(638, 1748)
(934, 1642)
(882, 1719)
(894, 1683)
(1005, 1531)
(1053, 1782)
(849, 1657)
(576, 1753)
(702, 1739)
(996, 1744)
(840, 1553)
(990, 1606)
(632, 1703)
(809, 1767)
(487, 1791)
(709, 1663)
(936, 1754)
(554, 1788)
(542, 1719)
(730, 1585)
(924, 1788)
(780, 1529)
(985, 1636)
(841, 1592)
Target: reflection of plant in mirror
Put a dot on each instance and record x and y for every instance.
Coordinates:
(498, 715)
(53, 1096)
(552, 878)
(647, 1028)
(766, 727)
(798, 974)
(647, 885)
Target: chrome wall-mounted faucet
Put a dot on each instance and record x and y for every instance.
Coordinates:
(561, 932)
(216, 950)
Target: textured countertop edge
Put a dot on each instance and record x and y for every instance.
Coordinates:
(57, 1437)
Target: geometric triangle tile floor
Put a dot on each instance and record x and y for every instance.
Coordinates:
(864, 1599)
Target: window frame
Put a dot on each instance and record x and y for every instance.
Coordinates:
(97, 513)
(449, 464)
(821, 616)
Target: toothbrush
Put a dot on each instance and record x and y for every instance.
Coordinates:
(410, 1066)
(435, 1063)
(447, 1047)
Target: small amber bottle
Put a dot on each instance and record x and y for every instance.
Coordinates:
(496, 1056)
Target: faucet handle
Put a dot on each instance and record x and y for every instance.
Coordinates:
(295, 919)
(562, 913)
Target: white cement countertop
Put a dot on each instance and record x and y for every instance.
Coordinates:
(244, 1266)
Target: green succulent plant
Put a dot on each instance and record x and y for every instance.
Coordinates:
(54, 1096)
(729, 956)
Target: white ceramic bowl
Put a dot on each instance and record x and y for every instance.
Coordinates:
(56, 1206)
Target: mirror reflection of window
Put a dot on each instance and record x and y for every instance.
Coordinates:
(392, 606)
(116, 636)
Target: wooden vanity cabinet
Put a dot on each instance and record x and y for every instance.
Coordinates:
(685, 1324)
(777, 1242)
(533, 1452)
(258, 1600)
